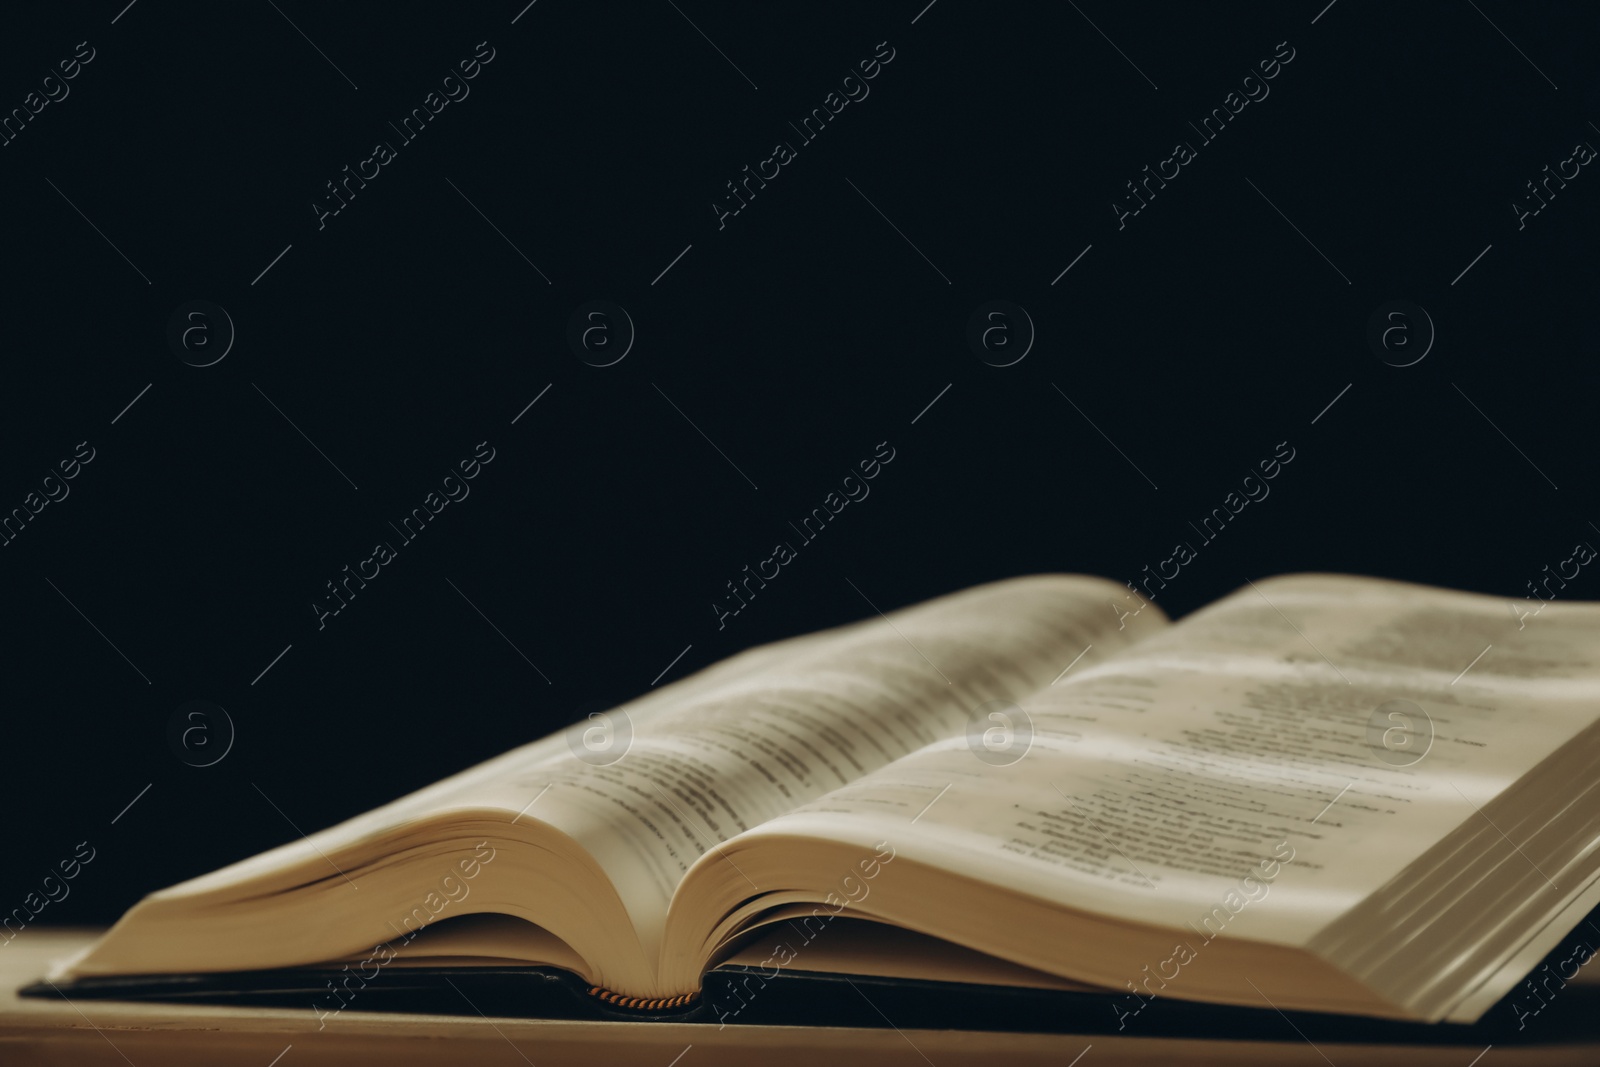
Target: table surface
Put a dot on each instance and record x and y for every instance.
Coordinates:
(90, 1033)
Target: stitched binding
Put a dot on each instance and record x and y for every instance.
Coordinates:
(642, 1003)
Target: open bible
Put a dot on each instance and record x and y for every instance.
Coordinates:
(1319, 794)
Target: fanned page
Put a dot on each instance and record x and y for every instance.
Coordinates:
(617, 809)
(1258, 771)
(729, 756)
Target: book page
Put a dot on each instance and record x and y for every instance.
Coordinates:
(647, 788)
(1259, 768)
(715, 760)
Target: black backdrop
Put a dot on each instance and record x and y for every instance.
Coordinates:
(772, 351)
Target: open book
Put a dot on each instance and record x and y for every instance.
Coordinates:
(1322, 793)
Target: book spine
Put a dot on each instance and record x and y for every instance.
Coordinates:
(643, 1003)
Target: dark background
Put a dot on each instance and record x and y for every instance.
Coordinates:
(796, 338)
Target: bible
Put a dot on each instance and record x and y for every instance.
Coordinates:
(1320, 794)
